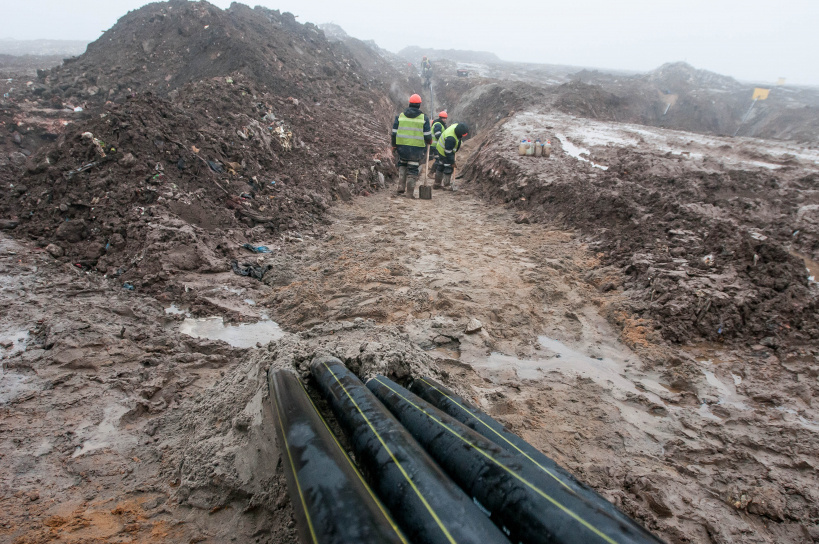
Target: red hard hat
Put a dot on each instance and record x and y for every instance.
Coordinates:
(415, 99)
(442, 115)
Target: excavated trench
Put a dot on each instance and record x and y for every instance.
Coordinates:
(649, 327)
(565, 355)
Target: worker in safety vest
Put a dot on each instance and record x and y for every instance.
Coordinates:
(438, 127)
(410, 137)
(448, 144)
(426, 71)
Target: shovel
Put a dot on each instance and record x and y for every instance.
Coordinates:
(425, 191)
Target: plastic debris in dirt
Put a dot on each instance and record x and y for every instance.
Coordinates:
(254, 271)
(256, 249)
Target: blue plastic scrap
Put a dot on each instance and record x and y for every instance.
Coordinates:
(257, 249)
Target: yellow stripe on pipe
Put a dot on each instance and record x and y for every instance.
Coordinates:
(526, 482)
(392, 456)
(482, 422)
(357, 473)
(296, 477)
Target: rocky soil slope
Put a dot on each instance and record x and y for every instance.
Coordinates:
(191, 131)
(712, 247)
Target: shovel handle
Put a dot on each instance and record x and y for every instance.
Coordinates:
(426, 168)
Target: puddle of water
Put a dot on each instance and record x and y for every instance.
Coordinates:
(13, 385)
(605, 371)
(522, 368)
(608, 371)
(705, 411)
(727, 394)
(19, 339)
(250, 302)
(656, 387)
(811, 265)
(804, 422)
(103, 435)
(577, 152)
(610, 366)
(244, 335)
(716, 383)
(173, 309)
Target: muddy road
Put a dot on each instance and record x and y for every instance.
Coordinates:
(670, 435)
(118, 424)
(642, 307)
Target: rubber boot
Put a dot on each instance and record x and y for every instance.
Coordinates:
(411, 180)
(402, 180)
(447, 182)
(438, 177)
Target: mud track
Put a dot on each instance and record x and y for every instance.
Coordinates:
(149, 433)
(693, 442)
(652, 327)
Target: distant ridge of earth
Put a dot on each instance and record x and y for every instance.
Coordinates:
(414, 54)
(69, 48)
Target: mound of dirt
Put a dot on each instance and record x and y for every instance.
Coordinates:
(227, 459)
(385, 70)
(707, 250)
(586, 100)
(221, 155)
(13, 66)
(679, 96)
(675, 95)
(239, 136)
(676, 76)
(162, 46)
(26, 122)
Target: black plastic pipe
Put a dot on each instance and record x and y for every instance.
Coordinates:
(455, 406)
(331, 501)
(427, 504)
(522, 500)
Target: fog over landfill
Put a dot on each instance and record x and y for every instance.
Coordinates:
(751, 40)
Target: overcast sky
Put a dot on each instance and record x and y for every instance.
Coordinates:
(756, 40)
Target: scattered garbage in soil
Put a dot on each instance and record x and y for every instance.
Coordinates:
(640, 305)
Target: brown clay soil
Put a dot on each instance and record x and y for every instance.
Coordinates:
(117, 426)
(645, 297)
